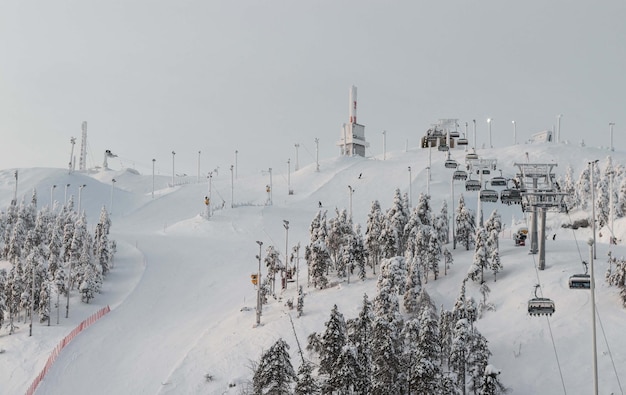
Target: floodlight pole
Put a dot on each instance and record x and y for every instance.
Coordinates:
(80, 190)
(452, 206)
(14, 201)
(259, 306)
(173, 173)
(236, 166)
(611, 124)
(52, 196)
(350, 206)
(271, 188)
(317, 154)
(113, 181)
(558, 128)
(286, 226)
(71, 164)
(297, 162)
(489, 125)
(198, 178)
(153, 160)
(384, 144)
(410, 187)
(593, 204)
(593, 317)
(232, 187)
(65, 199)
(210, 177)
(289, 176)
(474, 121)
(514, 133)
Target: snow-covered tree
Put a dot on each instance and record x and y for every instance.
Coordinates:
(274, 373)
(306, 384)
(375, 225)
(464, 224)
(440, 224)
(333, 340)
(360, 334)
(274, 265)
(480, 261)
(318, 258)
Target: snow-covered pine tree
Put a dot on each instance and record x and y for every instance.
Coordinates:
(479, 262)
(495, 264)
(360, 334)
(424, 212)
(477, 359)
(583, 189)
(428, 357)
(464, 224)
(569, 187)
(459, 351)
(334, 338)
(274, 265)
(359, 253)
(441, 224)
(300, 304)
(274, 373)
(346, 372)
(306, 384)
(3, 296)
(373, 232)
(413, 287)
(396, 219)
(318, 259)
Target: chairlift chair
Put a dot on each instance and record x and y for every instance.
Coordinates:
(455, 133)
(540, 306)
(498, 181)
(459, 175)
(472, 185)
(580, 281)
(488, 195)
(462, 141)
(450, 164)
(471, 156)
(443, 147)
(511, 196)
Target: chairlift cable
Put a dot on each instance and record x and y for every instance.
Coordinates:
(556, 354)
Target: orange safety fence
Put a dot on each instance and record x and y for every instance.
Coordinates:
(64, 342)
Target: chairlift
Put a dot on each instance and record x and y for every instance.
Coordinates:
(540, 306)
(455, 133)
(459, 175)
(580, 281)
(511, 196)
(462, 141)
(471, 156)
(488, 195)
(450, 163)
(498, 181)
(443, 147)
(483, 170)
(472, 185)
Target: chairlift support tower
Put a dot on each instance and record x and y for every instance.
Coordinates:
(482, 166)
(540, 193)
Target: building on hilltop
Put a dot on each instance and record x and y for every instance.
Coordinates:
(352, 140)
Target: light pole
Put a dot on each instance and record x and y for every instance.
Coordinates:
(474, 121)
(198, 179)
(52, 196)
(452, 206)
(350, 206)
(428, 181)
(592, 289)
(611, 124)
(410, 187)
(80, 190)
(210, 177)
(558, 128)
(71, 164)
(65, 198)
(236, 167)
(289, 176)
(489, 125)
(153, 160)
(173, 173)
(271, 188)
(113, 181)
(317, 154)
(384, 144)
(593, 204)
(232, 187)
(297, 162)
(259, 306)
(286, 226)
(514, 132)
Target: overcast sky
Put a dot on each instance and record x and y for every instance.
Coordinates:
(154, 76)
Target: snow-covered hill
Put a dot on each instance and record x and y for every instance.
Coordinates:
(183, 303)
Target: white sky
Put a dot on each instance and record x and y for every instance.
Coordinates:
(258, 77)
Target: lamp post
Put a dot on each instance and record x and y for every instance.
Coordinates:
(286, 226)
(52, 196)
(410, 188)
(317, 154)
(384, 144)
(271, 188)
(474, 121)
(452, 206)
(489, 126)
(259, 306)
(210, 177)
(173, 173)
(558, 128)
(289, 176)
(198, 178)
(428, 181)
(65, 198)
(350, 206)
(592, 290)
(236, 167)
(593, 204)
(611, 124)
(232, 187)
(113, 181)
(153, 160)
(80, 190)
(297, 162)
(514, 133)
